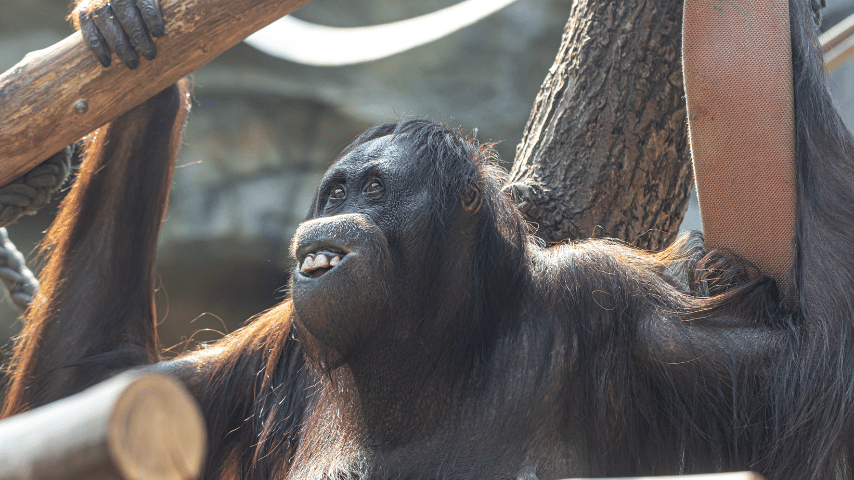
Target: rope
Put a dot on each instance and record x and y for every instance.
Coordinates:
(25, 196)
(19, 281)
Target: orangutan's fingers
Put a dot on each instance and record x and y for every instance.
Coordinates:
(112, 32)
(152, 16)
(131, 21)
(92, 36)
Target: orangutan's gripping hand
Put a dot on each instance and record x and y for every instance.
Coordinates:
(122, 26)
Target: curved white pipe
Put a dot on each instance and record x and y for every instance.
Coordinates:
(299, 41)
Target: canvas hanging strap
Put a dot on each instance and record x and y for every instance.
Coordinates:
(737, 64)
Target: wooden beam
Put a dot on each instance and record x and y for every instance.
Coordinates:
(133, 426)
(837, 44)
(57, 95)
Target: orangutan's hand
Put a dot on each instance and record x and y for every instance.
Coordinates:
(122, 26)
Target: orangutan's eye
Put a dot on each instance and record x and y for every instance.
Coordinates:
(337, 195)
(374, 188)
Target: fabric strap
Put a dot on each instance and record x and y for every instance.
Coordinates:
(737, 58)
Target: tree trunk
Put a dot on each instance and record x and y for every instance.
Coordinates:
(605, 151)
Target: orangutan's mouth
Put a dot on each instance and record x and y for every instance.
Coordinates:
(320, 261)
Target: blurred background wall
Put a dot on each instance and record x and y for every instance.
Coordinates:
(263, 131)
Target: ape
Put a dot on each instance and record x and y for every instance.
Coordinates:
(429, 335)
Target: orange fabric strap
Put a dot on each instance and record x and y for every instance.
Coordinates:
(737, 63)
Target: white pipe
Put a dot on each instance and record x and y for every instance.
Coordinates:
(303, 42)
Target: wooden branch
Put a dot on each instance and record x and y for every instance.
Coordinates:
(134, 426)
(57, 95)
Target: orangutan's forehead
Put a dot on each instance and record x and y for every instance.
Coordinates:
(382, 150)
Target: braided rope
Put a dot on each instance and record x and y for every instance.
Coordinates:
(25, 196)
(20, 282)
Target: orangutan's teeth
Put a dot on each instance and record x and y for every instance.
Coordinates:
(320, 261)
(308, 264)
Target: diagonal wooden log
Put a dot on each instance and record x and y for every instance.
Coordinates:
(57, 95)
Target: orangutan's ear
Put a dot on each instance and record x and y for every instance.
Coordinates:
(472, 199)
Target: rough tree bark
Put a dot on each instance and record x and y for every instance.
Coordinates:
(605, 150)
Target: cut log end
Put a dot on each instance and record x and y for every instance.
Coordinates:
(156, 431)
(132, 427)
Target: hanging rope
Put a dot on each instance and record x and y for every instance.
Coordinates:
(20, 282)
(24, 196)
